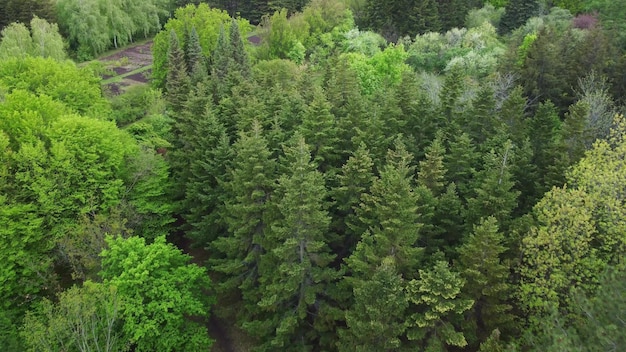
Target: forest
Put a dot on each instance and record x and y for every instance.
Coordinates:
(323, 175)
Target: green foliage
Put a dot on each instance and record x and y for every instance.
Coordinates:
(207, 22)
(436, 296)
(93, 26)
(487, 279)
(77, 88)
(376, 321)
(516, 13)
(16, 42)
(159, 288)
(381, 70)
(84, 319)
(293, 289)
(177, 82)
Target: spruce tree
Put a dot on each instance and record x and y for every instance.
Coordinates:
(376, 320)
(355, 180)
(487, 280)
(432, 170)
(493, 189)
(436, 300)
(390, 211)
(210, 154)
(239, 55)
(461, 162)
(249, 212)
(196, 62)
(320, 132)
(548, 149)
(177, 84)
(293, 289)
(516, 13)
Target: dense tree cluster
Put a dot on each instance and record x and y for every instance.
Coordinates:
(459, 188)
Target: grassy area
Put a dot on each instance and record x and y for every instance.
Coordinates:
(119, 78)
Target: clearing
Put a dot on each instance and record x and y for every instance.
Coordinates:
(127, 67)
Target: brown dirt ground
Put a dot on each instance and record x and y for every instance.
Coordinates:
(125, 61)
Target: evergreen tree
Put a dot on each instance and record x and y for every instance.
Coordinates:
(376, 320)
(177, 84)
(481, 121)
(210, 154)
(461, 162)
(516, 13)
(480, 263)
(548, 150)
(320, 131)
(493, 193)
(448, 223)
(355, 180)
(432, 170)
(196, 62)
(249, 212)
(390, 213)
(436, 300)
(239, 55)
(293, 289)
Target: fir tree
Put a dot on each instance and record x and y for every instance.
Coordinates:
(249, 212)
(196, 62)
(239, 55)
(320, 131)
(390, 212)
(436, 299)
(480, 263)
(376, 320)
(293, 289)
(516, 13)
(355, 180)
(177, 84)
(493, 193)
(431, 170)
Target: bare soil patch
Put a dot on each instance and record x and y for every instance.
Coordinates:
(124, 61)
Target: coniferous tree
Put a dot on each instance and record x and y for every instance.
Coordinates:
(249, 212)
(516, 13)
(177, 84)
(432, 171)
(481, 264)
(461, 161)
(355, 180)
(376, 320)
(196, 62)
(548, 150)
(436, 299)
(210, 154)
(390, 212)
(493, 193)
(320, 131)
(239, 55)
(293, 289)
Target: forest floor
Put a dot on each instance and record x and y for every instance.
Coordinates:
(228, 337)
(127, 67)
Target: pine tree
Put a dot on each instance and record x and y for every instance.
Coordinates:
(481, 121)
(376, 320)
(448, 222)
(249, 212)
(177, 84)
(293, 289)
(220, 64)
(480, 263)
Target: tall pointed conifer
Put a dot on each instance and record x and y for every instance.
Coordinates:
(177, 84)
